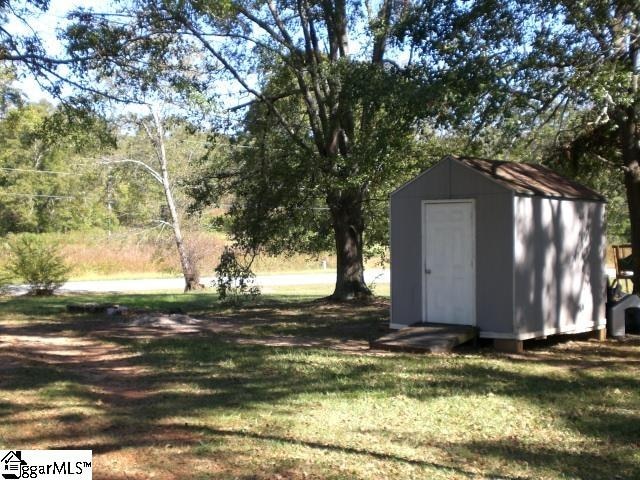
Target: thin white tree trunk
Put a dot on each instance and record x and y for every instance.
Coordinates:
(156, 137)
(190, 272)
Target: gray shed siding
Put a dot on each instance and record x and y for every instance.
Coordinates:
(559, 266)
(494, 244)
(406, 243)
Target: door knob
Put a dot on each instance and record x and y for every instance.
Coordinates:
(427, 271)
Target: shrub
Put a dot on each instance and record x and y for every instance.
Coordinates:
(37, 263)
(5, 282)
(234, 280)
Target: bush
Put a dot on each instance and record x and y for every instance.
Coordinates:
(37, 263)
(5, 282)
(234, 280)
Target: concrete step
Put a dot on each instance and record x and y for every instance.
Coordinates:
(427, 338)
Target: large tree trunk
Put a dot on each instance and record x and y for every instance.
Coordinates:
(632, 183)
(629, 131)
(348, 226)
(630, 135)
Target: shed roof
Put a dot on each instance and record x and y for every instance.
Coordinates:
(530, 179)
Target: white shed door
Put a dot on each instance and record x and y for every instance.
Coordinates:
(449, 263)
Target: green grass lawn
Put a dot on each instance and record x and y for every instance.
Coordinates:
(286, 389)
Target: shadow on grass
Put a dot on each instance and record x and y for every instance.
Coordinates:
(205, 374)
(207, 435)
(223, 376)
(25, 377)
(348, 450)
(29, 305)
(196, 302)
(311, 320)
(557, 460)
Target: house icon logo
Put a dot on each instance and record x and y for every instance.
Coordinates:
(11, 464)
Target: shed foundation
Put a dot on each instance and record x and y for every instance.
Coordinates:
(508, 346)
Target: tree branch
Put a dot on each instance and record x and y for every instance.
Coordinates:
(156, 176)
(238, 78)
(271, 98)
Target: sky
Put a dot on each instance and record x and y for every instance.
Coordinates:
(46, 25)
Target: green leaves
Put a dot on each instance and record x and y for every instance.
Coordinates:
(233, 279)
(45, 184)
(37, 263)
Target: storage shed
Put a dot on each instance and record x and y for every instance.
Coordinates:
(513, 249)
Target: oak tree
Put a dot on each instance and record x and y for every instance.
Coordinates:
(319, 79)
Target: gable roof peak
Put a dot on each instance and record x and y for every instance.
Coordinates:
(529, 179)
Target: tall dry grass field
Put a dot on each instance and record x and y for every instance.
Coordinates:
(146, 254)
(133, 253)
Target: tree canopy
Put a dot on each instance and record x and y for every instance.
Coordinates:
(562, 88)
(325, 105)
(43, 188)
(335, 102)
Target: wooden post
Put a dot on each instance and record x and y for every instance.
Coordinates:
(508, 345)
(600, 334)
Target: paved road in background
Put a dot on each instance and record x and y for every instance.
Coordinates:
(152, 284)
(378, 276)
